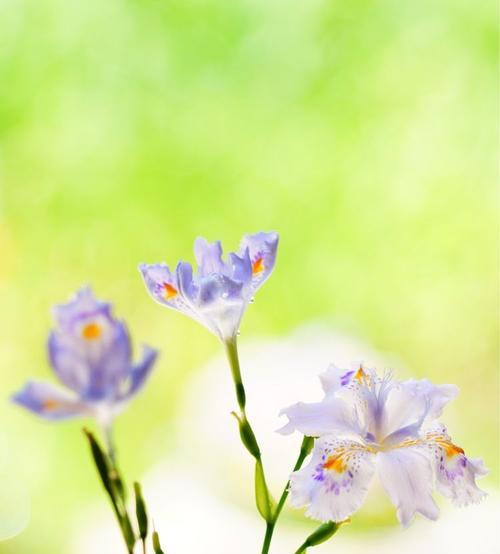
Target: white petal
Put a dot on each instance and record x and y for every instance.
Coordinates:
(335, 482)
(455, 473)
(329, 416)
(412, 402)
(406, 475)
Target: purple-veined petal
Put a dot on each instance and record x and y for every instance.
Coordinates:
(141, 371)
(111, 365)
(411, 403)
(161, 283)
(241, 267)
(68, 362)
(334, 484)
(218, 287)
(262, 249)
(83, 304)
(50, 401)
(406, 475)
(455, 473)
(208, 257)
(330, 416)
(92, 366)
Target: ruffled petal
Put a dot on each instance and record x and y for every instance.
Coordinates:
(261, 249)
(141, 371)
(208, 257)
(68, 362)
(411, 403)
(406, 475)
(161, 283)
(455, 473)
(50, 401)
(330, 416)
(82, 305)
(335, 482)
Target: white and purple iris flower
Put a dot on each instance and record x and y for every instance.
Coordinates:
(218, 294)
(367, 424)
(90, 353)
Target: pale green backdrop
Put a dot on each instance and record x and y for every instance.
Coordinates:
(365, 133)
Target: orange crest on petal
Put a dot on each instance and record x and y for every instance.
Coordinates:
(169, 291)
(91, 331)
(258, 266)
(50, 404)
(335, 463)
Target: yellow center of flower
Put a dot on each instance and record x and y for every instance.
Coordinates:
(258, 266)
(91, 331)
(169, 291)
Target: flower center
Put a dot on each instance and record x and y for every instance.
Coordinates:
(91, 331)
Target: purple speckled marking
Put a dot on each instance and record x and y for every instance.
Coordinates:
(345, 379)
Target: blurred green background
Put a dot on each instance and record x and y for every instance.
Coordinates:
(365, 133)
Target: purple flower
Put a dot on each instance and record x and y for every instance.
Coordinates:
(218, 294)
(90, 353)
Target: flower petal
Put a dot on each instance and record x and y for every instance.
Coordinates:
(50, 401)
(335, 482)
(208, 257)
(455, 473)
(332, 415)
(82, 305)
(406, 475)
(411, 403)
(161, 283)
(262, 253)
(141, 371)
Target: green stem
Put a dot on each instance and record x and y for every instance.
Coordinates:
(265, 503)
(268, 537)
(305, 449)
(234, 363)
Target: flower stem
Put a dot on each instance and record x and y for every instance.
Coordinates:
(305, 449)
(234, 363)
(264, 501)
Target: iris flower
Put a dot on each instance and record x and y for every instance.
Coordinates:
(367, 424)
(90, 353)
(217, 295)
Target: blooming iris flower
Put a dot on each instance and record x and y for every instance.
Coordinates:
(218, 294)
(90, 353)
(367, 424)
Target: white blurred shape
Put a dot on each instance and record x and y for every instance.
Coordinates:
(201, 496)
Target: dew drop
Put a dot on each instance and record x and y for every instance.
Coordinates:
(238, 332)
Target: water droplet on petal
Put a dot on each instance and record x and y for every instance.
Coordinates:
(238, 332)
(252, 299)
(225, 294)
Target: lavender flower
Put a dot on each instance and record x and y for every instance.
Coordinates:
(218, 294)
(368, 424)
(90, 353)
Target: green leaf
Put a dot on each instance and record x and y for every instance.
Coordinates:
(264, 500)
(156, 544)
(106, 470)
(140, 510)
